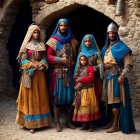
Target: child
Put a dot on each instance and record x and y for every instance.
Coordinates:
(86, 105)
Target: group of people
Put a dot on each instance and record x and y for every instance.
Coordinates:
(79, 82)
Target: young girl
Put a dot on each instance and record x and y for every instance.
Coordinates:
(86, 105)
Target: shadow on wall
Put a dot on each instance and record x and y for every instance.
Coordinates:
(19, 29)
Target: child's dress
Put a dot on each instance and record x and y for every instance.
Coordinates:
(85, 102)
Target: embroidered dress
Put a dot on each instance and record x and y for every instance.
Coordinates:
(33, 100)
(86, 104)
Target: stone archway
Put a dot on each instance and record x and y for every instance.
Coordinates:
(50, 13)
(84, 20)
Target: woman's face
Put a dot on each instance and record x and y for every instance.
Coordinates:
(83, 61)
(87, 43)
(36, 34)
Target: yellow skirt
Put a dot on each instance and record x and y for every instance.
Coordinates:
(88, 109)
(33, 103)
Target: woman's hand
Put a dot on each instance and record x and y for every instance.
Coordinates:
(35, 67)
(41, 67)
(120, 80)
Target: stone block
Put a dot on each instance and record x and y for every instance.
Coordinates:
(123, 22)
(37, 5)
(137, 12)
(123, 31)
(51, 1)
(138, 4)
(131, 23)
(137, 35)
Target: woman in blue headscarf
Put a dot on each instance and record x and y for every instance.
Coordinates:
(91, 50)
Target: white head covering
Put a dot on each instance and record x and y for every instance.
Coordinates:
(28, 38)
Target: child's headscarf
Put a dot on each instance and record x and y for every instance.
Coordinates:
(88, 51)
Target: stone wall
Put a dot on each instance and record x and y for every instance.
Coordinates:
(8, 13)
(46, 11)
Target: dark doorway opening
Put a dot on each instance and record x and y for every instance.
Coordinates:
(19, 29)
(85, 20)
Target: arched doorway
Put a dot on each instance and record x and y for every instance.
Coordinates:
(85, 20)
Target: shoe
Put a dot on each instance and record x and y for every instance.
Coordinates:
(70, 125)
(107, 126)
(84, 126)
(58, 127)
(90, 128)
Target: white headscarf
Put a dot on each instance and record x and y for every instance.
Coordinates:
(28, 38)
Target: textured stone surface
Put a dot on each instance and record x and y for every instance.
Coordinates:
(7, 19)
(46, 11)
(123, 31)
(51, 1)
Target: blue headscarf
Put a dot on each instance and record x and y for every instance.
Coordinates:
(118, 51)
(88, 51)
(65, 39)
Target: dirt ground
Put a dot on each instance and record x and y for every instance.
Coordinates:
(10, 131)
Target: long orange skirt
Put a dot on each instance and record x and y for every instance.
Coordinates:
(33, 103)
